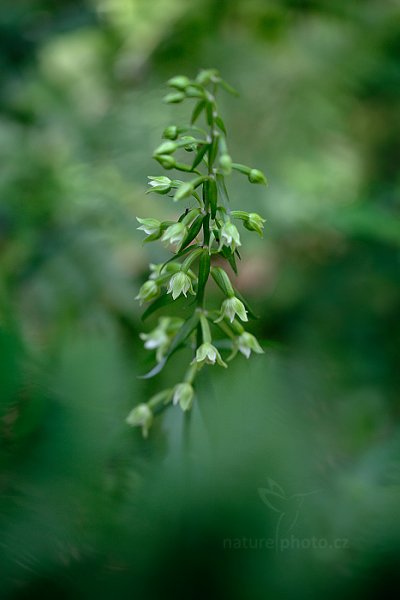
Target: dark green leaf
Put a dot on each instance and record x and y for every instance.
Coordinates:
(221, 124)
(152, 237)
(160, 302)
(192, 232)
(212, 196)
(222, 189)
(197, 111)
(213, 150)
(230, 257)
(209, 113)
(204, 272)
(200, 154)
(206, 229)
(228, 88)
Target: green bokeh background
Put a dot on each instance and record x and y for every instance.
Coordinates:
(89, 509)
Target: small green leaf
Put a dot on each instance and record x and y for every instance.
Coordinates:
(204, 272)
(206, 229)
(200, 106)
(230, 257)
(228, 88)
(153, 237)
(209, 113)
(221, 124)
(200, 154)
(160, 302)
(192, 232)
(223, 192)
(213, 151)
(212, 196)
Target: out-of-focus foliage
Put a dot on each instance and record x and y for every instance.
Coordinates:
(87, 508)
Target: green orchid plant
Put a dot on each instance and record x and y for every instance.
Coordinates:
(204, 239)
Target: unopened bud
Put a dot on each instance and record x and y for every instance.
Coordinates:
(225, 163)
(180, 82)
(174, 97)
(148, 291)
(256, 176)
(170, 133)
(167, 147)
(166, 161)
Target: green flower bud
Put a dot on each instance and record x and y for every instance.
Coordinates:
(167, 147)
(166, 161)
(180, 283)
(208, 354)
(141, 416)
(180, 82)
(148, 291)
(175, 233)
(206, 76)
(232, 307)
(256, 176)
(255, 223)
(149, 226)
(184, 191)
(248, 343)
(183, 395)
(194, 92)
(229, 236)
(160, 185)
(225, 162)
(188, 142)
(174, 97)
(170, 133)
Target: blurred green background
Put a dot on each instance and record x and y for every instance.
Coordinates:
(88, 508)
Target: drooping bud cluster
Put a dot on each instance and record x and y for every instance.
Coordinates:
(203, 235)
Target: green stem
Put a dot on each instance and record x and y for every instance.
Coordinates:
(161, 398)
(205, 329)
(190, 374)
(191, 258)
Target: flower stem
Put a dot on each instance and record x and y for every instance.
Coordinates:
(205, 329)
